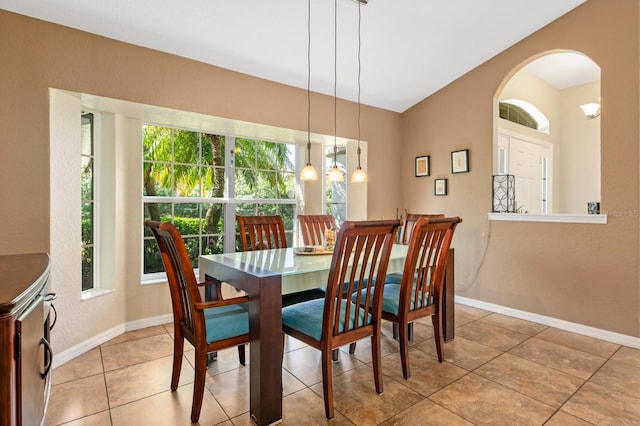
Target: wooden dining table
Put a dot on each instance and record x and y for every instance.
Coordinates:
(267, 275)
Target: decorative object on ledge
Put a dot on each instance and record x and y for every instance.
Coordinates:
(460, 161)
(504, 193)
(423, 166)
(593, 207)
(440, 187)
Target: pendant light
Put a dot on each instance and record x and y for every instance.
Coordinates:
(359, 175)
(308, 172)
(335, 175)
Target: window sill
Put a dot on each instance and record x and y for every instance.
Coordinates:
(96, 292)
(600, 219)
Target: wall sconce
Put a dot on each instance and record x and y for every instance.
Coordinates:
(504, 193)
(591, 110)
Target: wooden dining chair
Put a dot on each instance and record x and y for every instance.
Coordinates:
(396, 277)
(261, 232)
(410, 222)
(209, 326)
(333, 321)
(420, 292)
(407, 228)
(266, 232)
(313, 226)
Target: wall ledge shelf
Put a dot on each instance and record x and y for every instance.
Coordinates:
(600, 219)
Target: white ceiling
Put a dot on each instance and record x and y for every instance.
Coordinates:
(409, 48)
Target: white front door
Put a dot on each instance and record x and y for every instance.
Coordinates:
(530, 162)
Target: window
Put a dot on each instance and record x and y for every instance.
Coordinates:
(524, 113)
(88, 207)
(201, 180)
(336, 192)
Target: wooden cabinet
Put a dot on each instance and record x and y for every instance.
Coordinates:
(25, 352)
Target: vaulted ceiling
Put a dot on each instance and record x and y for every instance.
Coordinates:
(409, 48)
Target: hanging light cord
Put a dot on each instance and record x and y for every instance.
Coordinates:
(335, 84)
(308, 82)
(359, 21)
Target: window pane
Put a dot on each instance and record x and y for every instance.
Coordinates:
(152, 257)
(86, 134)
(157, 143)
(87, 268)
(212, 218)
(186, 217)
(157, 179)
(213, 149)
(213, 182)
(186, 146)
(246, 209)
(245, 183)
(158, 211)
(286, 161)
(288, 186)
(86, 177)
(267, 185)
(87, 223)
(187, 180)
(245, 153)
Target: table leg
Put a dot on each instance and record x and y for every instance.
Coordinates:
(448, 311)
(266, 341)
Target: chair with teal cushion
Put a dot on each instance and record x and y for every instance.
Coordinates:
(407, 228)
(334, 321)
(420, 291)
(209, 326)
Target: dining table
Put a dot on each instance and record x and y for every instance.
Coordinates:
(267, 275)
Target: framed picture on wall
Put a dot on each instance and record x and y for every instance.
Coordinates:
(440, 187)
(423, 166)
(460, 161)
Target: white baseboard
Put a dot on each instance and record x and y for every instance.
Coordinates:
(596, 333)
(95, 341)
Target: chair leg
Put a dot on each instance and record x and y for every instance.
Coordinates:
(395, 331)
(352, 348)
(438, 335)
(198, 383)
(327, 383)
(241, 354)
(404, 351)
(410, 331)
(375, 355)
(178, 350)
(334, 354)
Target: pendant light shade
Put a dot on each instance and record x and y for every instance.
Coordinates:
(308, 172)
(359, 175)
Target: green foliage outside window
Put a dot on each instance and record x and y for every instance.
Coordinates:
(186, 164)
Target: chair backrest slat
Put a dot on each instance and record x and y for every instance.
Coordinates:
(360, 259)
(312, 227)
(261, 232)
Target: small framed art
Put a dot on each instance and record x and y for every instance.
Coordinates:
(440, 187)
(460, 161)
(422, 166)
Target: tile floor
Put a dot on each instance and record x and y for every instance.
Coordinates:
(498, 370)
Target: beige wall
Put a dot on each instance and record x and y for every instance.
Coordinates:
(587, 274)
(37, 56)
(582, 273)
